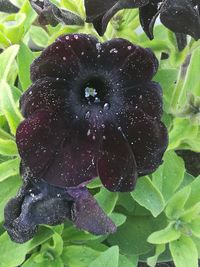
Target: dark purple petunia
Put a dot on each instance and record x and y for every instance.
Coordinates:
(180, 16)
(100, 12)
(92, 110)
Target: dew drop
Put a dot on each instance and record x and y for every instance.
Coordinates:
(129, 47)
(87, 115)
(98, 47)
(106, 106)
(64, 58)
(113, 51)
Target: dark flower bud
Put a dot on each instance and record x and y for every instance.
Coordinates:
(180, 16)
(41, 203)
(7, 7)
(100, 12)
(51, 14)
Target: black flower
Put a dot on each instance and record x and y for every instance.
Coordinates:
(7, 7)
(40, 203)
(51, 14)
(92, 111)
(180, 16)
(100, 12)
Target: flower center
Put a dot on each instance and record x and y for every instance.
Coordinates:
(94, 91)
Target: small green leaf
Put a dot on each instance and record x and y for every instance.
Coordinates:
(9, 168)
(165, 235)
(170, 174)
(125, 262)
(132, 236)
(151, 261)
(184, 252)
(13, 254)
(8, 147)
(108, 258)
(7, 59)
(39, 36)
(148, 196)
(175, 206)
(106, 200)
(79, 256)
(94, 183)
(8, 107)
(195, 227)
(190, 214)
(8, 189)
(25, 58)
(118, 218)
(195, 195)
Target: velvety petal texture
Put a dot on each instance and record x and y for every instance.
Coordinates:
(40, 203)
(100, 12)
(92, 110)
(180, 16)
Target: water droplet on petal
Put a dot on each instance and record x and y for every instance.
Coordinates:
(87, 115)
(106, 106)
(113, 51)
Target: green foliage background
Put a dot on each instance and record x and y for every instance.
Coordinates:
(160, 220)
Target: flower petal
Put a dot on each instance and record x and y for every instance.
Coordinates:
(181, 16)
(147, 97)
(74, 163)
(116, 164)
(128, 63)
(37, 139)
(47, 93)
(35, 204)
(148, 15)
(148, 138)
(65, 57)
(100, 13)
(88, 216)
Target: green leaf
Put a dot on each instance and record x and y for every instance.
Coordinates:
(125, 262)
(184, 252)
(195, 227)
(13, 27)
(9, 168)
(165, 235)
(8, 189)
(148, 196)
(170, 174)
(8, 147)
(176, 204)
(4, 135)
(9, 107)
(108, 258)
(167, 79)
(118, 218)
(106, 200)
(13, 254)
(7, 59)
(151, 261)
(190, 214)
(79, 256)
(51, 262)
(25, 58)
(194, 196)
(39, 36)
(94, 183)
(132, 236)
